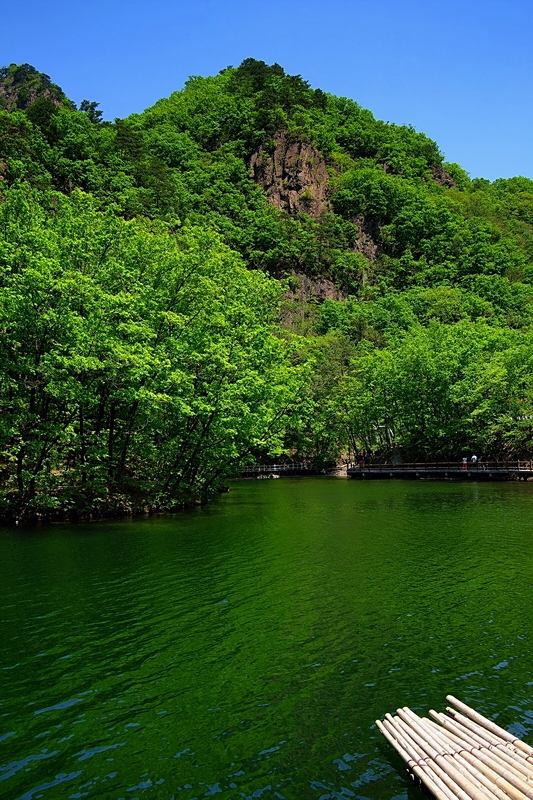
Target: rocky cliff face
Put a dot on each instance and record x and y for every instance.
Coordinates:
(367, 238)
(21, 85)
(294, 177)
(302, 298)
(443, 177)
(293, 174)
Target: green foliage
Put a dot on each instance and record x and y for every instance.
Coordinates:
(138, 367)
(188, 155)
(139, 353)
(24, 153)
(90, 107)
(442, 390)
(22, 84)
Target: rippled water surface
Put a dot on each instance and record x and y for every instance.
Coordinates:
(245, 650)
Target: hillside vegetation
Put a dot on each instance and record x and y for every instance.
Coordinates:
(249, 268)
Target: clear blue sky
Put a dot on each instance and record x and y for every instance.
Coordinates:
(459, 70)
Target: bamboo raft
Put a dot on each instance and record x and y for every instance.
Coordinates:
(461, 755)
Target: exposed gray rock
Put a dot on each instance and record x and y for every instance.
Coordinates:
(293, 174)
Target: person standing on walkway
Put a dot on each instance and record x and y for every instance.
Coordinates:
(474, 460)
(465, 463)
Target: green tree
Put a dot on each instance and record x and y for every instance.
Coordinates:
(90, 107)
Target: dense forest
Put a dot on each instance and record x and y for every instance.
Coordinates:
(251, 268)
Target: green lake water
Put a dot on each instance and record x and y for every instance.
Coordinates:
(245, 650)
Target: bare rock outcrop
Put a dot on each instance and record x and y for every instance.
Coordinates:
(443, 177)
(293, 174)
(367, 238)
(302, 298)
(21, 85)
(312, 289)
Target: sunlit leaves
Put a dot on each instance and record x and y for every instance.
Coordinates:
(136, 364)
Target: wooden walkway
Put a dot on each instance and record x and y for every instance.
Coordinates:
(437, 470)
(287, 468)
(450, 470)
(461, 755)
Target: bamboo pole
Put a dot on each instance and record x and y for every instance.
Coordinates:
(456, 754)
(462, 748)
(505, 779)
(463, 756)
(499, 772)
(470, 782)
(482, 731)
(496, 747)
(504, 776)
(440, 792)
(435, 770)
(515, 788)
(505, 758)
(491, 726)
(438, 769)
(479, 730)
(466, 727)
(457, 747)
(455, 771)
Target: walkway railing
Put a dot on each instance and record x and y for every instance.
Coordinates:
(446, 470)
(517, 466)
(289, 466)
(522, 468)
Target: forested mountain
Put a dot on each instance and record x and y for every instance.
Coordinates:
(249, 267)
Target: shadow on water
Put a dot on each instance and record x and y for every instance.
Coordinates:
(246, 649)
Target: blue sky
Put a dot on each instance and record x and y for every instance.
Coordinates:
(462, 72)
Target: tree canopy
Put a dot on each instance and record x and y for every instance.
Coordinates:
(164, 317)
